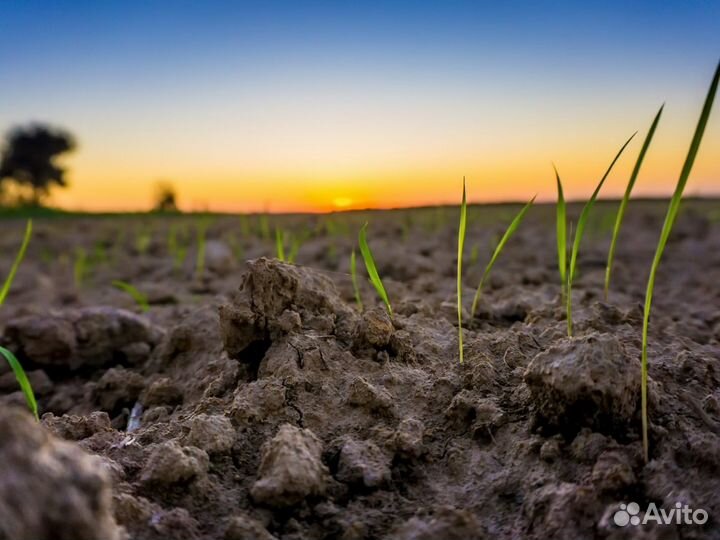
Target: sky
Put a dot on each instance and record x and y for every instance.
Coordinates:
(328, 105)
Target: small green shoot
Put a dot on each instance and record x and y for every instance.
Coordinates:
(16, 263)
(22, 380)
(140, 298)
(561, 226)
(372, 269)
(20, 375)
(670, 217)
(294, 249)
(80, 267)
(582, 221)
(280, 244)
(626, 199)
(353, 276)
(514, 224)
(200, 255)
(461, 246)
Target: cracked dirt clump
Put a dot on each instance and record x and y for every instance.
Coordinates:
(290, 469)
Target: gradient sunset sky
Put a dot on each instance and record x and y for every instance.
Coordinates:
(269, 105)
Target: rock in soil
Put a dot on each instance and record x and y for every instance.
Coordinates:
(50, 489)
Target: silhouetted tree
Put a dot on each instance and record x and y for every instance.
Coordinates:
(165, 198)
(29, 158)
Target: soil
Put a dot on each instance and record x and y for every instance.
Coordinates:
(257, 401)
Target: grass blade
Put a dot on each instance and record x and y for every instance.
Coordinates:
(582, 220)
(140, 299)
(16, 263)
(22, 380)
(353, 276)
(200, 256)
(626, 199)
(372, 269)
(514, 224)
(461, 246)
(280, 244)
(561, 227)
(670, 217)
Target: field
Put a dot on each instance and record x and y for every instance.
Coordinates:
(254, 399)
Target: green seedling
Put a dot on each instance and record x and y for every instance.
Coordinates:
(670, 217)
(264, 227)
(280, 244)
(142, 242)
(15, 365)
(353, 276)
(16, 263)
(294, 249)
(372, 269)
(626, 199)
(474, 254)
(582, 221)
(200, 255)
(22, 380)
(80, 267)
(140, 299)
(561, 227)
(461, 246)
(514, 224)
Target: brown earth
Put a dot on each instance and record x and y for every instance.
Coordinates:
(257, 401)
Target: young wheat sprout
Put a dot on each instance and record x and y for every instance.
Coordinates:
(561, 226)
(461, 245)
(626, 199)
(664, 235)
(582, 221)
(15, 365)
(353, 276)
(372, 269)
(140, 298)
(498, 249)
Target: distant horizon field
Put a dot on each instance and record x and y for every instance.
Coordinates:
(51, 211)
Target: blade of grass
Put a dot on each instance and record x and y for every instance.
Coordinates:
(514, 224)
(461, 246)
(79, 267)
(670, 218)
(200, 256)
(140, 299)
(372, 269)
(561, 227)
(16, 263)
(626, 199)
(353, 276)
(582, 220)
(22, 380)
(280, 244)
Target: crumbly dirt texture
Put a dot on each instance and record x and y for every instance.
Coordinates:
(257, 401)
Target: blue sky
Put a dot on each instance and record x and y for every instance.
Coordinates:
(201, 81)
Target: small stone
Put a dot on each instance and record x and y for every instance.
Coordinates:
(290, 469)
(408, 439)
(377, 327)
(550, 450)
(362, 462)
(613, 471)
(213, 433)
(169, 463)
(163, 391)
(244, 527)
(364, 394)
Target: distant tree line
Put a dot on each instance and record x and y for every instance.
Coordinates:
(29, 168)
(28, 162)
